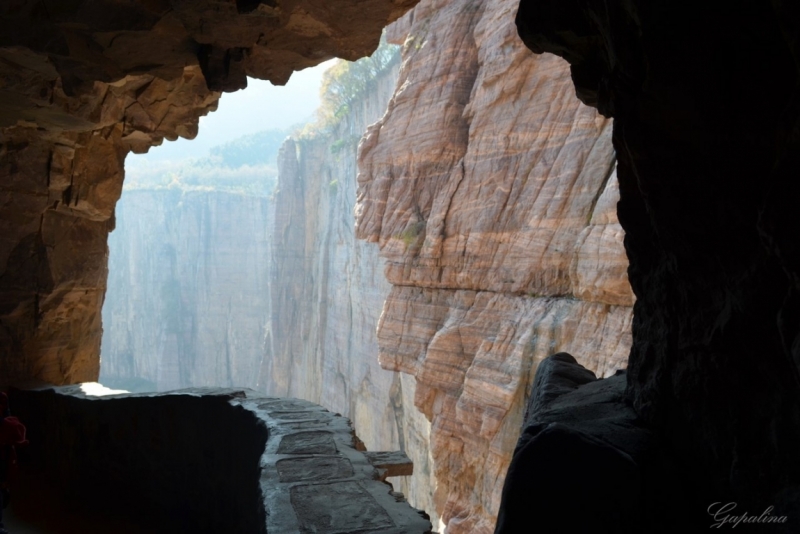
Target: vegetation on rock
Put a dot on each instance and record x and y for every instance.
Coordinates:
(346, 82)
(246, 165)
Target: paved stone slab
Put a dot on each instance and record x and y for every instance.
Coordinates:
(296, 415)
(307, 443)
(395, 463)
(315, 468)
(338, 507)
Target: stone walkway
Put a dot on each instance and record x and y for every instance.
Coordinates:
(317, 477)
(314, 474)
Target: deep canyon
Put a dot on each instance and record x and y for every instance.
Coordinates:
(476, 230)
(487, 244)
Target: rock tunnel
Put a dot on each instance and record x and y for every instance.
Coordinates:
(706, 107)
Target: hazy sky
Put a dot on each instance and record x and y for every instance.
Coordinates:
(261, 106)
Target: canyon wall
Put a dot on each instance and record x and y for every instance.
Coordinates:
(491, 192)
(328, 290)
(188, 297)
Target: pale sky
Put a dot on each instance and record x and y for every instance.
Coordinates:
(261, 106)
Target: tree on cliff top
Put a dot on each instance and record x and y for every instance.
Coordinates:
(346, 81)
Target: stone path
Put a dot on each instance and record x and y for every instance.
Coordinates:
(317, 478)
(314, 474)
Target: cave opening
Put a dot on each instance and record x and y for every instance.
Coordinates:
(500, 235)
(187, 303)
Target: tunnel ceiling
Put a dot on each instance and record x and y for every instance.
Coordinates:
(75, 65)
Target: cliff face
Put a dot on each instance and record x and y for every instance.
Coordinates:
(188, 297)
(83, 84)
(327, 293)
(491, 192)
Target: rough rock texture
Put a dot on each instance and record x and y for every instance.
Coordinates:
(585, 460)
(188, 301)
(706, 107)
(327, 292)
(200, 460)
(83, 83)
(500, 237)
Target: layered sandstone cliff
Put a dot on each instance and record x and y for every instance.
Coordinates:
(491, 192)
(188, 291)
(83, 84)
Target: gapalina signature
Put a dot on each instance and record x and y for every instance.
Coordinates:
(723, 515)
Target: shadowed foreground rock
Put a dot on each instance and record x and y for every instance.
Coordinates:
(706, 106)
(201, 460)
(587, 463)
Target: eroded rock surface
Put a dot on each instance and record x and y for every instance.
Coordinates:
(491, 192)
(84, 83)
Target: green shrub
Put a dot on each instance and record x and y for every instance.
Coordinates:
(346, 81)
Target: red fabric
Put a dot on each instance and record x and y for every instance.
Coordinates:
(12, 432)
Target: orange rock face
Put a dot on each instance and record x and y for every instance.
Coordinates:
(83, 84)
(491, 192)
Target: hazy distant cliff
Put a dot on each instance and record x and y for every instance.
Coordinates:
(491, 192)
(188, 300)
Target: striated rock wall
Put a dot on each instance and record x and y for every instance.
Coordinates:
(491, 192)
(328, 290)
(188, 294)
(83, 83)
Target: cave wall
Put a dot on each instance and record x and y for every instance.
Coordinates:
(84, 83)
(706, 106)
(491, 192)
(188, 299)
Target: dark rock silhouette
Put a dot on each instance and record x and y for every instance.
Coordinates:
(706, 108)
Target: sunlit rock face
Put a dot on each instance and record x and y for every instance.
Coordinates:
(706, 121)
(188, 298)
(491, 192)
(83, 84)
(327, 292)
